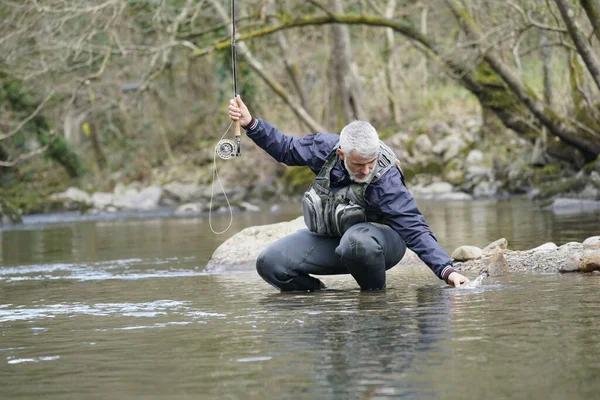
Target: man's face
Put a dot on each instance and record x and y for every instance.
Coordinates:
(360, 169)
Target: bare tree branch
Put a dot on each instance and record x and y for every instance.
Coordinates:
(29, 118)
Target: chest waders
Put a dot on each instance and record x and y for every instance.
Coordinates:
(331, 214)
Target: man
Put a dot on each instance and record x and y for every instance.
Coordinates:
(359, 213)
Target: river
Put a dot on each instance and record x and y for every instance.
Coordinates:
(119, 308)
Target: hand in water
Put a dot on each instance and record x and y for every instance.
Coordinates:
(455, 279)
(239, 111)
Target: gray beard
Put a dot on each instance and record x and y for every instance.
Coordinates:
(353, 177)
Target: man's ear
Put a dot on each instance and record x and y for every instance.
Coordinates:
(340, 153)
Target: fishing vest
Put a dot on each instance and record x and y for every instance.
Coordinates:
(331, 214)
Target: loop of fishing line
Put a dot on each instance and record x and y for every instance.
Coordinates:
(212, 189)
(225, 148)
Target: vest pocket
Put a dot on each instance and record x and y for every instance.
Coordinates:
(313, 212)
(347, 215)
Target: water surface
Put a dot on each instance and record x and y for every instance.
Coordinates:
(120, 309)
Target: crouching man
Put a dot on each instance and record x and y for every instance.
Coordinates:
(360, 215)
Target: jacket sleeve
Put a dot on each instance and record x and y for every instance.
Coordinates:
(310, 150)
(393, 200)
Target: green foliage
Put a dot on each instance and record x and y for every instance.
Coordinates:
(297, 179)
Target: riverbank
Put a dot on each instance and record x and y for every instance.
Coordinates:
(443, 161)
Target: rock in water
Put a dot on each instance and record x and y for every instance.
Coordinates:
(497, 266)
(464, 253)
(496, 246)
(590, 261)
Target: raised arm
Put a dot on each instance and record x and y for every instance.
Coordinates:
(310, 150)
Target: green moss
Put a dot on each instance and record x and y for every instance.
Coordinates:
(297, 179)
(568, 185)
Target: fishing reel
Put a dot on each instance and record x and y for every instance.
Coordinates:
(226, 149)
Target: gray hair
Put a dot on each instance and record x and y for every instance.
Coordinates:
(361, 137)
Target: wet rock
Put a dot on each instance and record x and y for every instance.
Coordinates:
(591, 243)
(567, 206)
(572, 264)
(496, 246)
(239, 252)
(497, 266)
(464, 253)
(454, 196)
(189, 209)
(72, 198)
(590, 261)
(249, 207)
(546, 247)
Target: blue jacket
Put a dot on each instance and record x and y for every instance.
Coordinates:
(388, 196)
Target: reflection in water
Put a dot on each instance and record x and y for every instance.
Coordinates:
(121, 309)
(360, 342)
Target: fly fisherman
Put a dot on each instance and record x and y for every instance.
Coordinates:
(360, 215)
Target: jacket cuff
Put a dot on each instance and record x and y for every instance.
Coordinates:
(252, 125)
(448, 269)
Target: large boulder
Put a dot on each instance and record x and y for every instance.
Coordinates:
(239, 253)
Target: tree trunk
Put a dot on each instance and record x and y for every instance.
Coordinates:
(293, 73)
(583, 47)
(501, 92)
(582, 140)
(296, 107)
(547, 68)
(350, 94)
(592, 9)
(390, 78)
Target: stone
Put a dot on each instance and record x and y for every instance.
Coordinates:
(497, 266)
(239, 252)
(496, 246)
(185, 192)
(423, 144)
(464, 253)
(486, 189)
(590, 192)
(249, 206)
(189, 209)
(475, 157)
(590, 261)
(454, 196)
(546, 247)
(440, 188)
(102, 200)
(591, 243)
(568, 206)
(148, 198)
(572, 264)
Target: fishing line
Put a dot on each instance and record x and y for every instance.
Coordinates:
(212, 190)
(225, 148)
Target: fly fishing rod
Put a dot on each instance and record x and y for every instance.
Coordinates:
(227, 149)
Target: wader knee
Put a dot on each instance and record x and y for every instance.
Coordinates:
(362, 254)
(271, 266)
